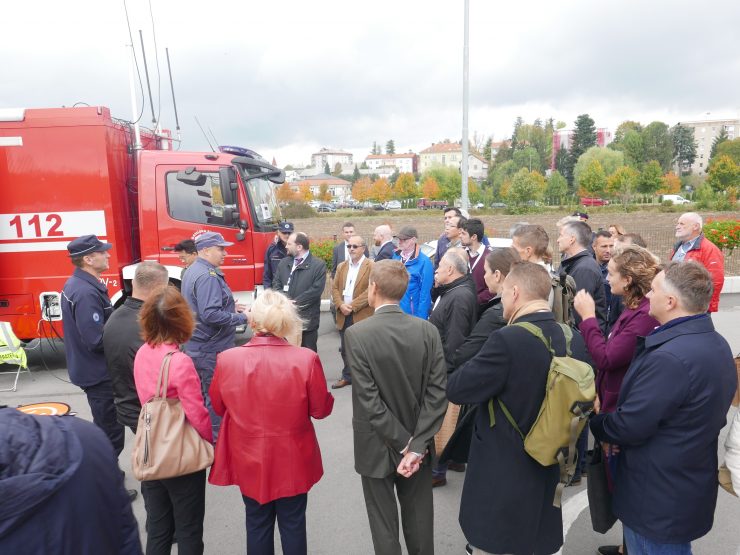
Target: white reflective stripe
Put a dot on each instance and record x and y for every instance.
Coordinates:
(11, 141)
(12, 114)
(34, 247)
(52, 225)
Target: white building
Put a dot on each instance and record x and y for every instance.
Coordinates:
(704, 133)
(405, 163)
(450, 155)
(332, 157)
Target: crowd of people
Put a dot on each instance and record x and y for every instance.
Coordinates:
(427, 344)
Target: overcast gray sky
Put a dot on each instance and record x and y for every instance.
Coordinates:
(288, 77)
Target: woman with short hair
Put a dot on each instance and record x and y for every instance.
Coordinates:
(267, 392)
(174, 506)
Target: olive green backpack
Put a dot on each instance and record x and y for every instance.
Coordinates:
(569, 400)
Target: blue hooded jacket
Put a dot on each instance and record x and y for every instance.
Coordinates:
(418, 298)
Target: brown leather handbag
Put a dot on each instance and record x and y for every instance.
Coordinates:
(166, 444)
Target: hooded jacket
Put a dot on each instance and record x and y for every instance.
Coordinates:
(418, 298)
(60, 488)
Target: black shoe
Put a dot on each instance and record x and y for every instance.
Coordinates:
(609, 550)
(574, 482)
(468, 549)
(439, 482)
(456, 467)
(132, 494)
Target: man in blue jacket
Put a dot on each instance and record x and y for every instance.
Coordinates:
(672, 405)
(418, 298)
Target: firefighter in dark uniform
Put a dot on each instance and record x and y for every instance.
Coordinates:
(275, 253)
(85, 309)
(216, 313)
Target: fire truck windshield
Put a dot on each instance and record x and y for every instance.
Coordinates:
(264, 203)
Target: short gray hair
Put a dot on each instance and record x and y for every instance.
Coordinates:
(694, 217)
(456, 261)
(581, 231)
(691, 283)
(150, 275)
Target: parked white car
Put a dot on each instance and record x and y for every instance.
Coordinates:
(675, 199)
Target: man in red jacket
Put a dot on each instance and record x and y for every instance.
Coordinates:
(692, 245)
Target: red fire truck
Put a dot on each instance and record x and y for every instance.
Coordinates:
(426, 204)
(68, 172)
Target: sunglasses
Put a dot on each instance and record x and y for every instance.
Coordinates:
(355, 246)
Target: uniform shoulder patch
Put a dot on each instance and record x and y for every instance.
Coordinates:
(212, 273)
(96, 317)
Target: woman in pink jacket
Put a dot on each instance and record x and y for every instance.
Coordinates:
(267, 392)
(175, 506)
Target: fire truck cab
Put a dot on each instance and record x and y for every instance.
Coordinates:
(68, 172)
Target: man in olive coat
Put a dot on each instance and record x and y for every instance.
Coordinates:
(507, 498)
(398, 403)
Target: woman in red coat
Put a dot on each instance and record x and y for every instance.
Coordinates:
(267, 392)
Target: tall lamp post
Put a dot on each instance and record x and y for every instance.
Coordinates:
(464, 166)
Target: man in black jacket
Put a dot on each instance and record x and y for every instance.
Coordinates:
(302, 277)
(454, 312)
(122, 338)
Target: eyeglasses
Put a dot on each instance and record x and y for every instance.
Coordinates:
(355, 246)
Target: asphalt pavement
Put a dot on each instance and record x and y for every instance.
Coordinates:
(337, 521)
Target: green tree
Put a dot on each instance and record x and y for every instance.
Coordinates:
(633, 149)
(539, 139)
(624, 128)
(724, 174)
(622, 183)
(718, 140)
(526, 186)
(487, 149)
(527, 157)
(684, 146)
(355, 174)
(515, 135)
(501, 173)
(592, 180)
(504, 153)
(337, 169)
(390, 147)
(584, 137)
(731, 149)
(394, 176)
(449, 180)
(609, 159)
(651, 178)
(327, 169)
(658, 144)
(561, 162)
(557, 188)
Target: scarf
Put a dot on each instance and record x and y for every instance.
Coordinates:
(530, 308)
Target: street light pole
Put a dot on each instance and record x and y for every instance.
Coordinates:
(464, 166)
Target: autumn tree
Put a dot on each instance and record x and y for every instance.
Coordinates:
(405, 187)
(430, 188)
(731, 149)
(285, 193)
(337, 169)
(304, 193)
(670, 184)
(501, 173)
(650, 178)
(380, 190)
(724, 174)
(449, 181)
(622, 183)
(361, 189)
(324, 194)
(592, 180)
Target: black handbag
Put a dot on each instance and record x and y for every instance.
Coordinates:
(599, 496)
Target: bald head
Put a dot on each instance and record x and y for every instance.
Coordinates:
(688, 226)
(382, 235)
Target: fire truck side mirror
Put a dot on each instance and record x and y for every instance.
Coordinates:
(190, 176)
(242, 230)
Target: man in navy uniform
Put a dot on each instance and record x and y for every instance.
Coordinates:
(275, 253)
(85, 309)
(216, 313)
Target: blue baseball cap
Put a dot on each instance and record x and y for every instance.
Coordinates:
(210, 239)
(285, 227)
(87, 244)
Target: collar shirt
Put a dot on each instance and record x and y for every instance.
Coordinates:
(473, 259)
(683, 248)
(296, 260)
(349, 284)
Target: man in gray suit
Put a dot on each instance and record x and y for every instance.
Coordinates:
(398, 401)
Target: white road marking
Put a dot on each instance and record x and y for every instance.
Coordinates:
(572, 508)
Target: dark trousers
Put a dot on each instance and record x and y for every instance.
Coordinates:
(291, 518)
(417, 512)
(205, 364)
(100, 399)
(581, 448)
(310, 340)
(345, 371)
(175, 506)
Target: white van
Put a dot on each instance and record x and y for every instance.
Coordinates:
(675, 199)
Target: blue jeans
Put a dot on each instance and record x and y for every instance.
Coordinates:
(205, 364)
(640, 545)
(290, 513)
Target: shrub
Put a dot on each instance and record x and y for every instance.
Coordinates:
(667, 206)
(298, 211)
(723, 233)
(322, 248)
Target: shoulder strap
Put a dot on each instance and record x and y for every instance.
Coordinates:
(536, 331)
(164, 376)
